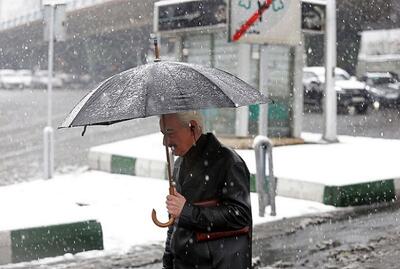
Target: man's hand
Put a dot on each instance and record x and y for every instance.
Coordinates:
(175, 204)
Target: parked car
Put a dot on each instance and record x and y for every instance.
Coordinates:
(313, 91)
(15, 79)
(351, 93)
(25, 76)
(73, 81)
(4, 73)
(383, 87)
(40, 80)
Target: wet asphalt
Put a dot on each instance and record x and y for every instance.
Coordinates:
(360, 237)
(23, 115)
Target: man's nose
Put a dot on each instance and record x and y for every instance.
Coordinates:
(165, 142)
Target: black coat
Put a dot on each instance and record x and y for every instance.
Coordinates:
(211, 171)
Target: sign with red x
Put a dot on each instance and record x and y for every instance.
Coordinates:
(265, 21)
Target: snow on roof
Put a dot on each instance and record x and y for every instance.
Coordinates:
(378, 74)
(320, 70)
(378, 58)
(380, 42)
(320, 2)
(172, 2)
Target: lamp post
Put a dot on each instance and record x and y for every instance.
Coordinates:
(54, 19)
(330, 106)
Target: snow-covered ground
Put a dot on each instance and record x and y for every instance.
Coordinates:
(121, 203)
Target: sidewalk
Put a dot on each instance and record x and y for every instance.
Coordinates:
(92, 210)
(355, 171)
(121, 204)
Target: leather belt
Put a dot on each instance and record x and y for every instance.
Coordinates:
(201, 236)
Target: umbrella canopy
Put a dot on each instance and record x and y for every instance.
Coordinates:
(161, 88)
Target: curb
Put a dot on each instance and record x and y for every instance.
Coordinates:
(117, 164)
(363, 193)
(49, 241)
(125, 165)
(366, 193)
(380, 190)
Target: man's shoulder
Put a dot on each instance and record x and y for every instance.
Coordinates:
(231, 153)
(224, 151)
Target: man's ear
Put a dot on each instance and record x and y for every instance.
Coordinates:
(192, 125)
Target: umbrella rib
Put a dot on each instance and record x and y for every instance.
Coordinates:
(123, 91)
(242, 81)
(213, 83)
(173, 79)
(194, 67)
(78, 108)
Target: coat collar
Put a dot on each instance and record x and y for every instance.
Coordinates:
(205, 148)
(197, 158)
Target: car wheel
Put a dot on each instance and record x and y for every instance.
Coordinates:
(362, 108)
(351, 110)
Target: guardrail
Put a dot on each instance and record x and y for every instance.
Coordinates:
(37, 14)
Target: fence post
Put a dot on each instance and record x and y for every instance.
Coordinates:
(263, 146)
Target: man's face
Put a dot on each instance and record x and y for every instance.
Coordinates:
(178, 137)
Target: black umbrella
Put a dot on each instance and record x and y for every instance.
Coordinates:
(161, 88)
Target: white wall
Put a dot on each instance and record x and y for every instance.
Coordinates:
(10, 9)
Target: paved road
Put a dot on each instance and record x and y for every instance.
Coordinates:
(365, 238)
(383, 123)
(23, 115)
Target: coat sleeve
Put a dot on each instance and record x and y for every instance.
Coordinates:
(167, 259)
(233, 213)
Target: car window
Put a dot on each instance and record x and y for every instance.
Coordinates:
(381, 80)
(341, 77)
(309, 75)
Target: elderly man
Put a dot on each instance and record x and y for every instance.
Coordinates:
(211, 204)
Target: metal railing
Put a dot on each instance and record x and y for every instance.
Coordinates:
(263, 149)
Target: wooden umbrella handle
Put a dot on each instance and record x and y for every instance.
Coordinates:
(154, 215)
(159, 223)
(171, 191)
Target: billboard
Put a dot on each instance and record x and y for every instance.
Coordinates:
(178, 16)
(313, 16)
(265, 22)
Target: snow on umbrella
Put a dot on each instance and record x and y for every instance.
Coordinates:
(161, 88)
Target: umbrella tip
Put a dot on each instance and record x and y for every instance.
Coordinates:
(84, 130)
(156, 48)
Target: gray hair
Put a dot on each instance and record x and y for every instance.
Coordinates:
(187, 116)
